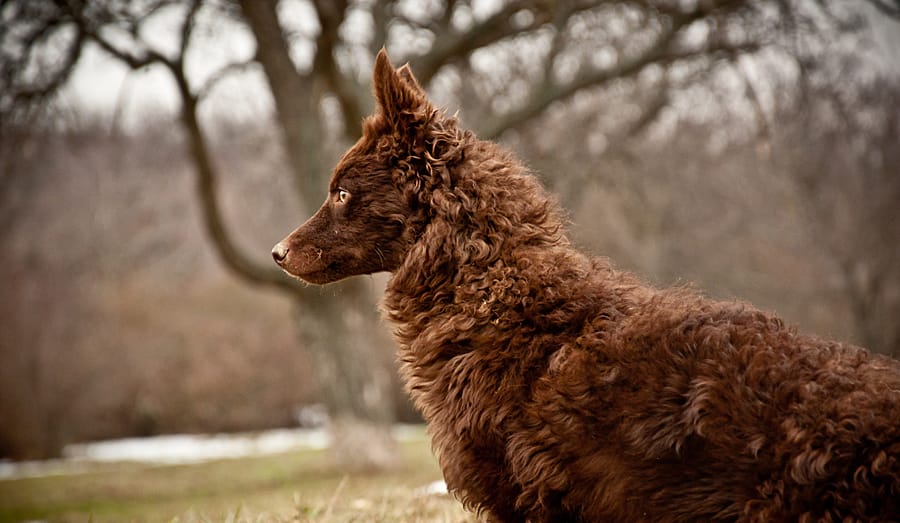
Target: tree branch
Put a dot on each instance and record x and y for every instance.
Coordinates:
(886, 7)
(207, 177)
(35, 93)
(207, 191)
(451, 45)
(27, 78)
(382, 10)
(134, 61)
(650, 110)
(187, 28)
(295, 96)
(221, 74)
(763, 132)
(331, 15)
(662, 52)
(557, 44)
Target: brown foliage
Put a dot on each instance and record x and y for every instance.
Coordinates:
(117, 320)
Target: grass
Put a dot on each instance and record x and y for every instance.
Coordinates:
(299, 486)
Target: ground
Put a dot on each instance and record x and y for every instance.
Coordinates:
(298, 486)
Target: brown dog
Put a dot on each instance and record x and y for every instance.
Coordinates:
(559, 389)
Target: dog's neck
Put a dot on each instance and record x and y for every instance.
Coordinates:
(486, 228)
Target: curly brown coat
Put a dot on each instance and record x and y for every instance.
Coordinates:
(557, 388)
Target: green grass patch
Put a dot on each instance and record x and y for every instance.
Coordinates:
(298, 486)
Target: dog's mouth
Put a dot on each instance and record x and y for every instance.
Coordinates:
(316, 278)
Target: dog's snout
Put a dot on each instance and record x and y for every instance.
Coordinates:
(279, 253)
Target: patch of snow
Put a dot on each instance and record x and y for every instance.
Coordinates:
(435, 488)
(183, 448)
(188, 448)
(27, 469)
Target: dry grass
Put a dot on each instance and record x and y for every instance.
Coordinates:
(295, 487)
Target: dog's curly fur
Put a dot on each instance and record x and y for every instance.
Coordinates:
(557, 388)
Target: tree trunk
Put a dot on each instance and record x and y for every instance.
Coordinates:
(353, 374)
(296, 99)
(335, 324)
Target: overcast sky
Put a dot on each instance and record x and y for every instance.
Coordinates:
(104, 86)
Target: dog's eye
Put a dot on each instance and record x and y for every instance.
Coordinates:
(342, 196)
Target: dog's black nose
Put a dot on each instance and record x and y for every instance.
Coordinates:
(279, 253)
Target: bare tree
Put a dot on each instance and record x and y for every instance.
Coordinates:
(564, 47)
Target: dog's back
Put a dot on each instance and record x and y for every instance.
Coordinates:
(604, 400)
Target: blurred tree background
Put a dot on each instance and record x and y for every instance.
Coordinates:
(748, 146)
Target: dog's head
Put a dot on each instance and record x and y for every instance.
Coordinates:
(373, 206)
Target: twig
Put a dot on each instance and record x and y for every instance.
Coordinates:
(334, 498)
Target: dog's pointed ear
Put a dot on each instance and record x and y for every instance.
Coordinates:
(406, 73)
(398, 93)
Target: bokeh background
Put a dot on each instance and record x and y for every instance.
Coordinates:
(153, 151)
